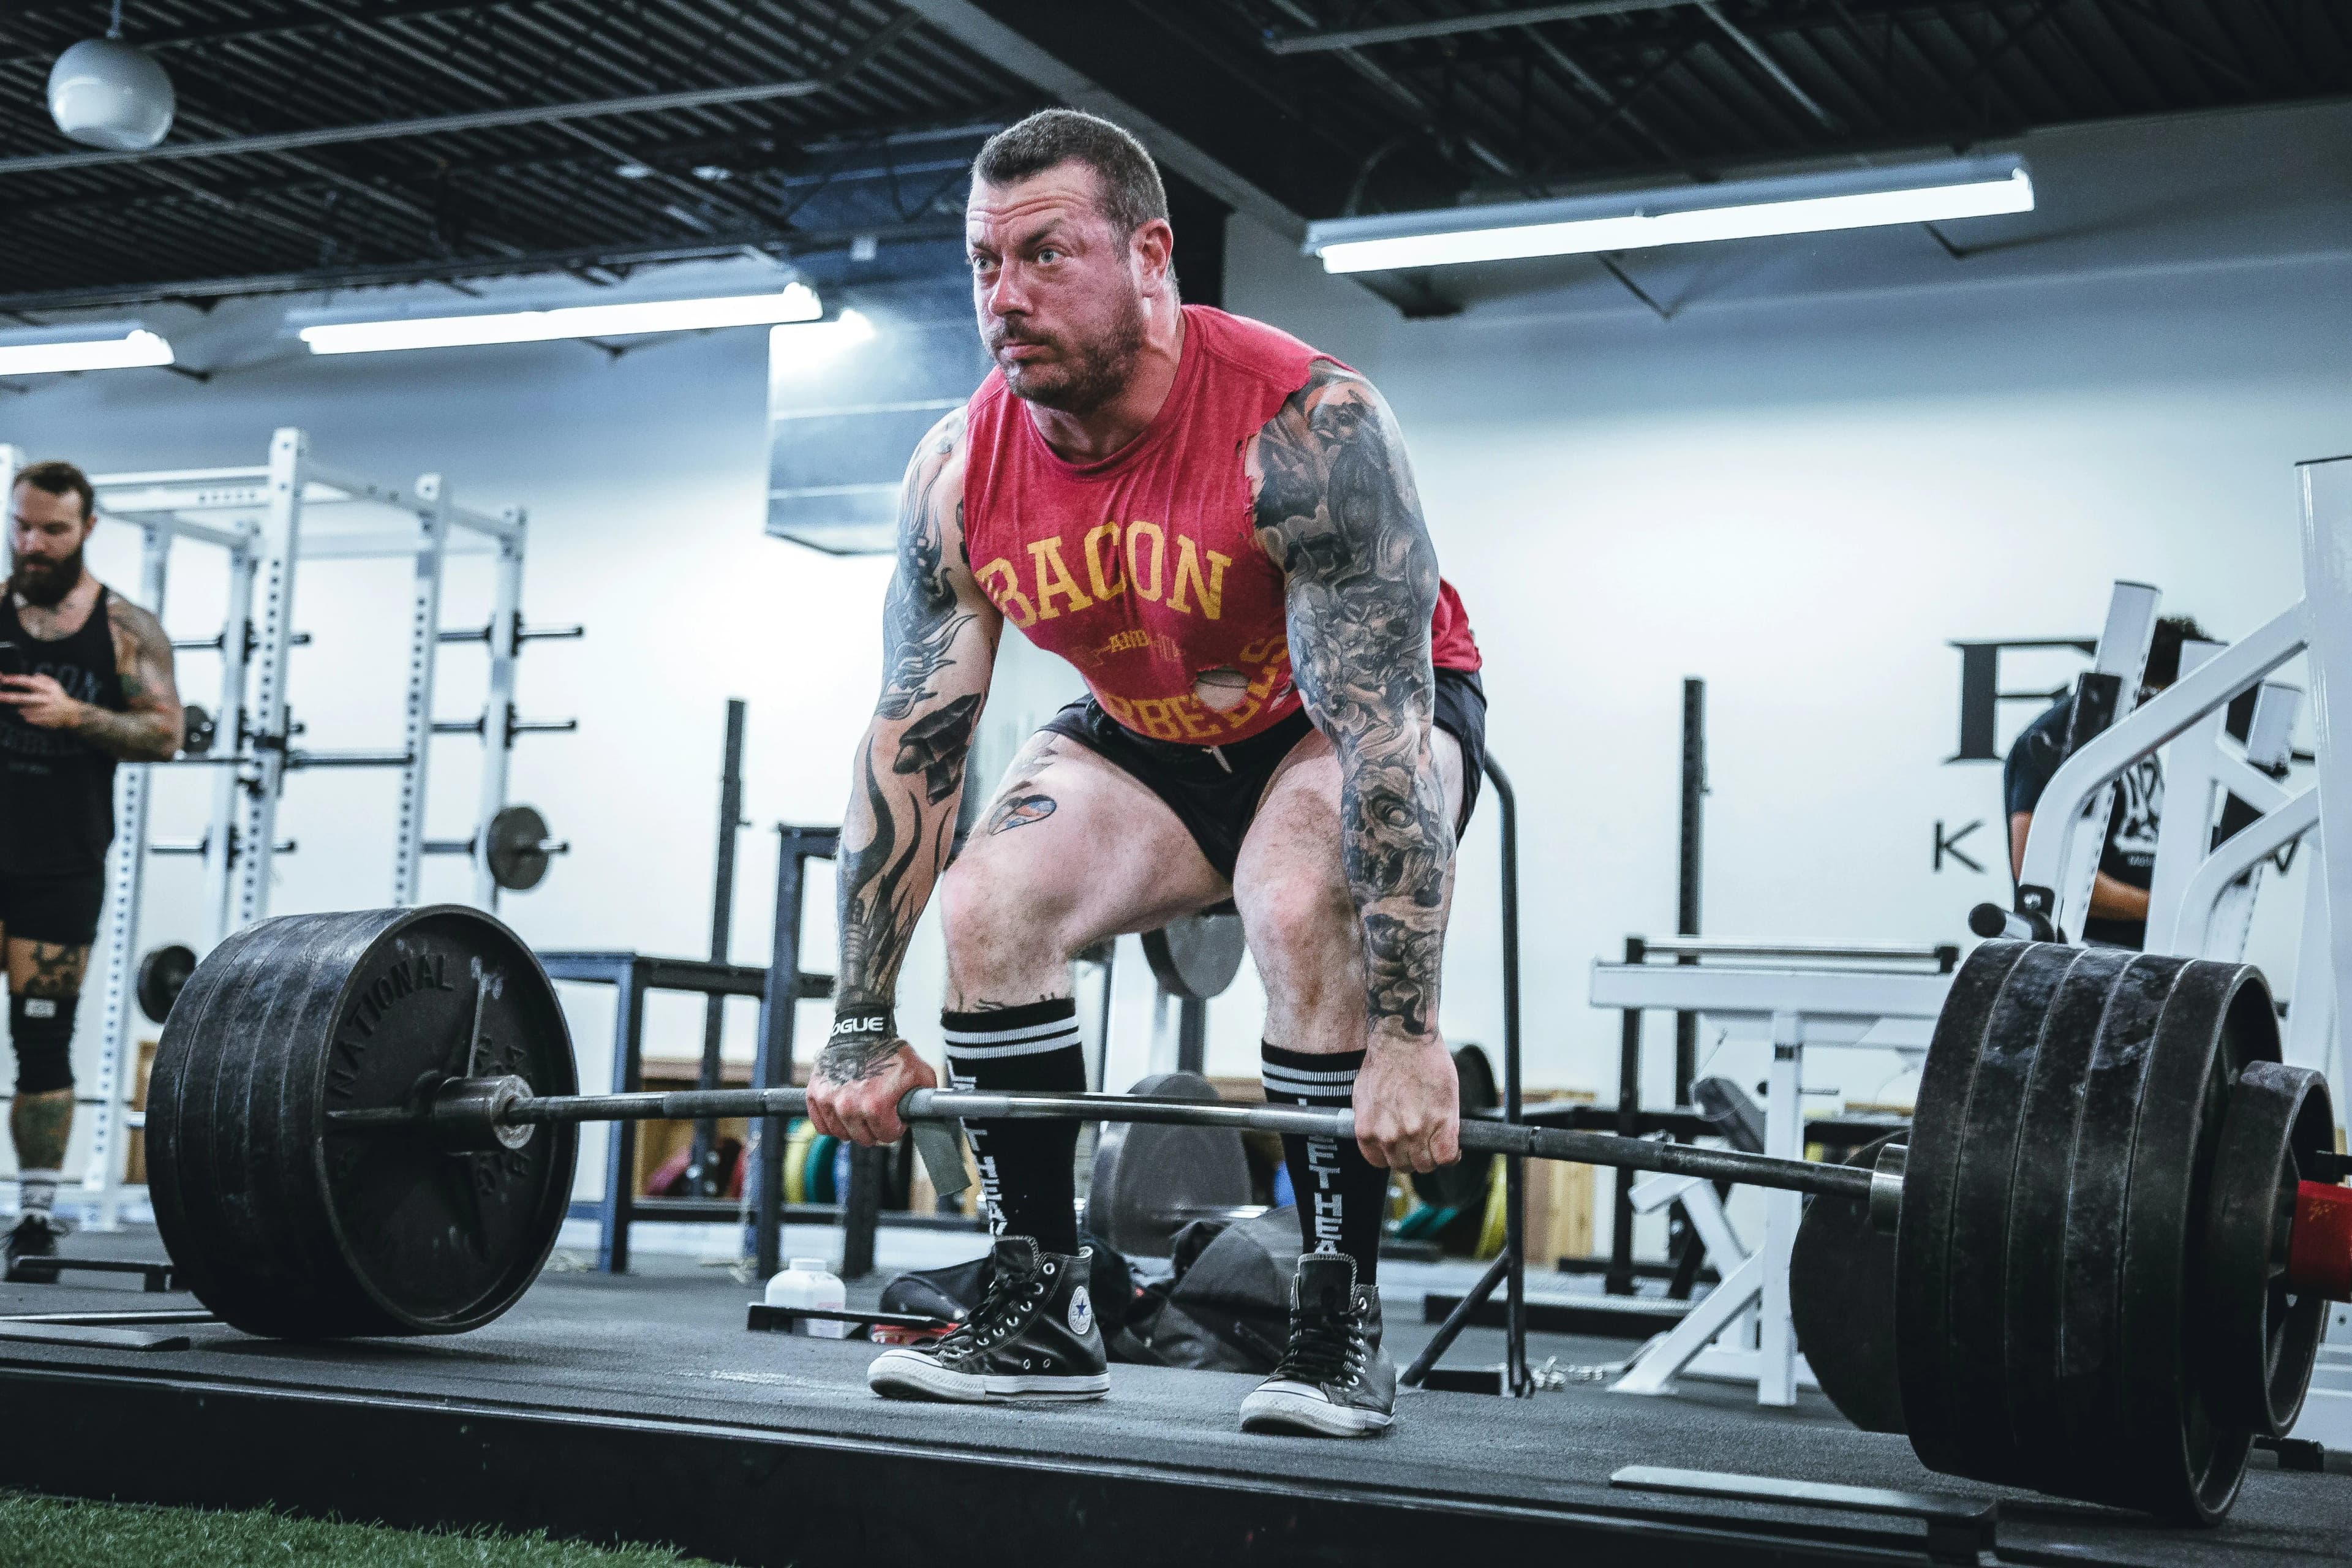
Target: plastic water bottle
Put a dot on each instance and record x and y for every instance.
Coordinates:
(809, 1283)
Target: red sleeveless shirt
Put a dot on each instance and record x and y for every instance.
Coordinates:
(1144, 570)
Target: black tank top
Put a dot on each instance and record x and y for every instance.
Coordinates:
(57, 790)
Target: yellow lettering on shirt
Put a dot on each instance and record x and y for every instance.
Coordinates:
(1003, 586)
(1137, 531)
(1116, 584)
(1212, 588)
(1047, 555)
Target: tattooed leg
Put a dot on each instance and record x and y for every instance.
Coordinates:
(43, 982)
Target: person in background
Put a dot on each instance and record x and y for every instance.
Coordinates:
(2119, 916)
(85, 682)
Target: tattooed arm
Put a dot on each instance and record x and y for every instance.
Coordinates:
(148, 729)
(1338, 512)
(938, 641)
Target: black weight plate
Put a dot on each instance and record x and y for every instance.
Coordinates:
(1150, 1180)
(1922, 1238)
(2034, 1270)
(161, 975)
(2185, 1465)
(1463, 1183)
(1977, 1408)
(1196, 957)
(1841, 1300)
(2090, 1354)
(2259, 1342)
(518, 849)
(286, 1228)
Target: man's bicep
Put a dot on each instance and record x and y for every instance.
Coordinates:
(144, 660)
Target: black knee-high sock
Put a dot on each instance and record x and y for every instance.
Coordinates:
(1025, 1167)
(1340, 1193)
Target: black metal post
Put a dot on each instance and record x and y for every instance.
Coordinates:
(861, 1210)
(774, 1068)
(621, 1142)
(1191, 1035)
(701, 1169)
(1516, 1381)
(1689, 864)
(1619, 1280)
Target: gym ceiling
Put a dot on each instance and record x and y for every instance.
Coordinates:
(327, 143)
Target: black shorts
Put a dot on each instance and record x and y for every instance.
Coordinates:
(1216, 801)
(62, 909)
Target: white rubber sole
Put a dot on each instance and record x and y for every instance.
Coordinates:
(1296, 1407)
(909, 1374)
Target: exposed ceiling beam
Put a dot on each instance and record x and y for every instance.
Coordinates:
(994, 41)
(479, 119)
(1303, 43)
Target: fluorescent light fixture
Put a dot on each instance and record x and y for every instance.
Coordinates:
(1684, 214)
(805, 344)
(796, 302)
(130, 346)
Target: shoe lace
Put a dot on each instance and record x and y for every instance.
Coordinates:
(1326, 1345)
(995, 1311)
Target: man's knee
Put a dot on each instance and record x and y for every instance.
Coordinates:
(1302, 934)
(988, 916)
(41, 1028)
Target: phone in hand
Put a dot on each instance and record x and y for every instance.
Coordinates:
(12, 659)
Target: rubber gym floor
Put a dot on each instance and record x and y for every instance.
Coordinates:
(640, 1409)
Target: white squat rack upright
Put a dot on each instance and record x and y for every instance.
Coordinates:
(267, 519)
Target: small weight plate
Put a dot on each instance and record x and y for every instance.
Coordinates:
(2034, 1270)
(163, 972)
(1841, 1300)
(1979, 1235)
(2259, 1342)
(1196, 957)
(1148, 1180)
(518, 849)
(286, 1228)
(2181, 1463)
(1922, 1241)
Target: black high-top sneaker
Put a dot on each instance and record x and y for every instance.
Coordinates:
(1033, 1336)
(34, 1236)
(1333, 1380)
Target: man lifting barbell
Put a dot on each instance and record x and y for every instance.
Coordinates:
(1217, 525)
(88, 682)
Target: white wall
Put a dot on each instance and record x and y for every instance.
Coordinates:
(1840, 452)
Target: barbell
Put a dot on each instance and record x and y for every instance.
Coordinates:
(2107, 1257)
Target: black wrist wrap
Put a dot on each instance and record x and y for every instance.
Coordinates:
(864, 1024)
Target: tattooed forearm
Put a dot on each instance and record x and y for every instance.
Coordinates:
(939, 643)
(1338, 512)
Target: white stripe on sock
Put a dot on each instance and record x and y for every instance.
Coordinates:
(1297, 1081)
(1002, 1036)
(962, 1053)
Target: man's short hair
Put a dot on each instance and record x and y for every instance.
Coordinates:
(1130, 193)
(60, 478)
(2163, 648)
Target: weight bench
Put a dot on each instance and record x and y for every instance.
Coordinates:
(1733, 1308)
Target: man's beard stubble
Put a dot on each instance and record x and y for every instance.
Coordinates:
(44, 584)
(1089, 377)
